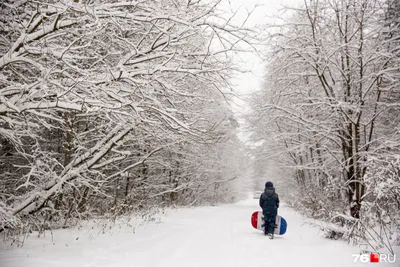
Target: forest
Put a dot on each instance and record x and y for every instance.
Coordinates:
(328, 115)
(110, 108)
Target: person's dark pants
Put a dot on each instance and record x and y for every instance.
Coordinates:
(269, 220)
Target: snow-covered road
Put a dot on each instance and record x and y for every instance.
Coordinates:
(206, 236)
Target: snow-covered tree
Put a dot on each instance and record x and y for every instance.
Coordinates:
(326, 92)
(95, 94)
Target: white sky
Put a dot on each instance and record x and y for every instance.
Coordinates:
(263, 14)
(249, 82)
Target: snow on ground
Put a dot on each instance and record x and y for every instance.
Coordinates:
(205, 236)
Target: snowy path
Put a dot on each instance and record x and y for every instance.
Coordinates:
(206, 236)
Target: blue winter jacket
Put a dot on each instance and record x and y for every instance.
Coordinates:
(269, 201)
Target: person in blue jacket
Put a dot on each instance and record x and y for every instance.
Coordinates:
(269, 202)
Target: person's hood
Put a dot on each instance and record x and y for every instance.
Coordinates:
(269, 191)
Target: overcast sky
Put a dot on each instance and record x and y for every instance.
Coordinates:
(249, 82)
